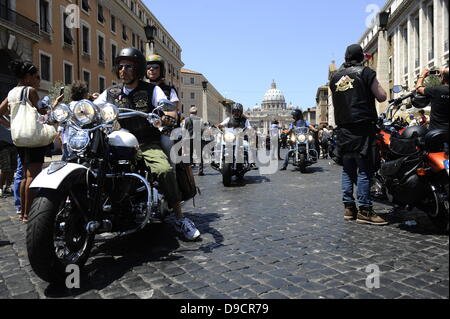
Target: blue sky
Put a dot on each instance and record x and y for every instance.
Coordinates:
(241, 45)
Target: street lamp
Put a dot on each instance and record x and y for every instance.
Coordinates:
(205, 101)
(205, 85)
(383, 19)
(150, 33)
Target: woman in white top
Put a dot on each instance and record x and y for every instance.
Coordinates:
(31, 158)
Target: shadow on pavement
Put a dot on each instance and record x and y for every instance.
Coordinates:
(415, 221)
(112, 259)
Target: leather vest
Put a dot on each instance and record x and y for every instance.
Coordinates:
(299, 123)
(237, 123)
(167, 89)
(353, 99)
(140, 99)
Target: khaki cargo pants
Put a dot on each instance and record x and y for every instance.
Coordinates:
(158, 162)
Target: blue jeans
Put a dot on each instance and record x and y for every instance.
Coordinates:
(17, 181)
(357, 172)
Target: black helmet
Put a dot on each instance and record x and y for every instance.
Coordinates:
(415, 132)
(434, 140)
(132, 54)
(237, 107)
(420, 101)
(297, 114)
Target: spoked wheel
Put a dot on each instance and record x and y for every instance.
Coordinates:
(57, 235)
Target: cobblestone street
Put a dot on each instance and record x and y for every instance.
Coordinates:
(279, 236)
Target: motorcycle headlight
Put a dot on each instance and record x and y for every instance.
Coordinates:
(310, 138)
(229, 137)
(61, 113)
(293, 138)
(108, 112)
(79, 141)
(302, 138)
(85, 112)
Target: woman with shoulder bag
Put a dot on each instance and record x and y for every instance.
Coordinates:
(21, 105)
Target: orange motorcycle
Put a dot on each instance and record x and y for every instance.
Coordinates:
(414, 168)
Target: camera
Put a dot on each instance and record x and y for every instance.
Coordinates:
(61, 91)
(435, 72)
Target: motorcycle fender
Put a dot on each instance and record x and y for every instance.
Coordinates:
(54, 179)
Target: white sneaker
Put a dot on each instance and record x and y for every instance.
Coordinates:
(1, 192)
(18, 212)
(187, 227)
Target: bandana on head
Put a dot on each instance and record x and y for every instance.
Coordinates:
(354, 54)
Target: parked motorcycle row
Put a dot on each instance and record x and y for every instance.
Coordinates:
(414, 169)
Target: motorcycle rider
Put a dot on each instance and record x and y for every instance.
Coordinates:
(297, 116)
(237, 121)
(354, 90)
(439, 99)
(134, 93)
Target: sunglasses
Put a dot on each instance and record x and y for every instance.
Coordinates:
(152, 66)
(126, 67)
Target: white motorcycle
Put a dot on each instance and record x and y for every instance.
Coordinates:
(231, 155)
(302, 148)
(103, 190)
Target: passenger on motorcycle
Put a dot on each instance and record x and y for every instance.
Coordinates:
(297, 115)
(156, 73)
(134, 93)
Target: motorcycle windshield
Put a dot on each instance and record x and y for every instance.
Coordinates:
(302, 130)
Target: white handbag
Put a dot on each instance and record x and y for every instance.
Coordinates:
(26, 129)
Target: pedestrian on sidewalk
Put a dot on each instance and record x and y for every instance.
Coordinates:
(32, 158)
(354, 90)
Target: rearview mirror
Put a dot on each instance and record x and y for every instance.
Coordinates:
(397, 89)
(166, 105)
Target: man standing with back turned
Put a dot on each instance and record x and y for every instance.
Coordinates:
(354, 89)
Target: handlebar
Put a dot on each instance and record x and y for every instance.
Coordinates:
(152, 117)
(396, 102)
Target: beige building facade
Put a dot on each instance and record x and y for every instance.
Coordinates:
(322, 105)
(72, 40)
(415, 37)
(197, 92)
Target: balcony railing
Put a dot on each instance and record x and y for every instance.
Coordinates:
(13, 17)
